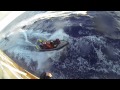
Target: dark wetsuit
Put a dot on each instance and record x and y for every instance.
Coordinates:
(43, 76)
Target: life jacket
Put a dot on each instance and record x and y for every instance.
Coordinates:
(48, 45)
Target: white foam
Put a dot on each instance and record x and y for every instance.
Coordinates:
(59, 34)
(9, 18)
(50, 14)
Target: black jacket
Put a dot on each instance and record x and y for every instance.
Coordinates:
(43, 76)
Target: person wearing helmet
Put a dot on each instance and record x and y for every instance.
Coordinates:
(49, 44)
(40, 40)
(53, 44)
(56, 43)
(40, 43)
(46, 75)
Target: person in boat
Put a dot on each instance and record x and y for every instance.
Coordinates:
(40, 43)
(49, 44)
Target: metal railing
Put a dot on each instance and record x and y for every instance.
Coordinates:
(10, 70)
